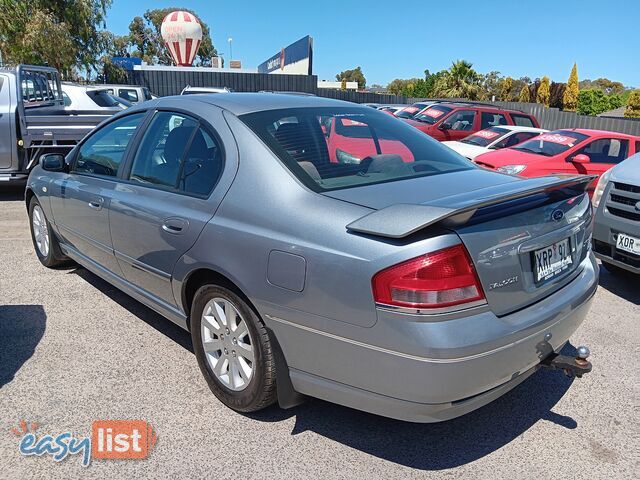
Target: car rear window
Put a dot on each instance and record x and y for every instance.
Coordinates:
(335, 148)
(433, 114)
(552, 143)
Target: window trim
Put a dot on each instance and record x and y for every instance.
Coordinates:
(201, 123)
(125, 156)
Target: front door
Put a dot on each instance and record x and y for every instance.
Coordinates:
(80, 199)
(603, 153)
(462, 122)
(165, 200)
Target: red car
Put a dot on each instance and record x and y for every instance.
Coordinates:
(571, 151)
(455, 121)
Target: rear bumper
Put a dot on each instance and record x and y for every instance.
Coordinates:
(431, 369)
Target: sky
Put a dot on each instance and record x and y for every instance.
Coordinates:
(403, 38)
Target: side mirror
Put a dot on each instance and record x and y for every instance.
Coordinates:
(444, 126)
(53, 162)
(581, 158)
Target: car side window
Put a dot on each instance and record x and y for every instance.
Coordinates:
(128, 94)
(102, 152)
(522, 120)
(462, 120)
(491, 119)
(606, 150)
(177, 153)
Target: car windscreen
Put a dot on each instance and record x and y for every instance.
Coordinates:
(552, 143)
(335, 148)
(485, 137)
(410, 111)
(432, 115)
(102, 98)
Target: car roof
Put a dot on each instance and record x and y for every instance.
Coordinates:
(483, 106)
(242, 103)
(591, 132)
(519, 128)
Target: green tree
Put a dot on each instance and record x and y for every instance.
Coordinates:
(592, 102)
(490, 85)
(62, 33)
(460, 81)
(544, 94)
(354, 75)
(505, 89)
(604, 84)
(633, 105)
(570, 97)
(524, 94)
(146, 38)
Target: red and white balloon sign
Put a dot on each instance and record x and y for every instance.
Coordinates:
(182, 33)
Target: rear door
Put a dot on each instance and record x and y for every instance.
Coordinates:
(6, 128)
(168, 193)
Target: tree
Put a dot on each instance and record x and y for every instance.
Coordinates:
(592, 102)
(505, 89)
(524, 94)
(633, 105)
(570, 97)
(604, 84)
(460, 81)
(146, 38)
(556, 94)
(543, 95)
(354, 75)
(62, 33)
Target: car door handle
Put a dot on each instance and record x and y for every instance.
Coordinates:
(175, 225)
(96, 204)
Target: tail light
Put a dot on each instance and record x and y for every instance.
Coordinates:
(438, 279)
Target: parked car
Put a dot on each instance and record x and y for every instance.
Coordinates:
(130, 93)
(373, 285)
(571, 151)
(616, 234)
(33, 120)
(410, 110)
(455, 121)
(189, 90)
(89, 98)
(493, 138)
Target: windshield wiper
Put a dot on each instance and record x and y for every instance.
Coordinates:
(537, 152)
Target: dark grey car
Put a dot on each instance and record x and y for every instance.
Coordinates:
(317, 247)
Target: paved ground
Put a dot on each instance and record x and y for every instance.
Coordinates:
(73, 349)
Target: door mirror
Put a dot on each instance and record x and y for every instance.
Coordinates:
(581, 158)
(444, 126)
(53, 162)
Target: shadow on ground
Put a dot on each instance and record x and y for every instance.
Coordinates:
(423, 446)
(21, 328)
(624, 286)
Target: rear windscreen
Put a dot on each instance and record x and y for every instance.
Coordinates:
(332, 148)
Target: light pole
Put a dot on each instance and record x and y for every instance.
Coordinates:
(230, 48)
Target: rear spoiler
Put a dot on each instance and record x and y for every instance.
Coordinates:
(401, 220)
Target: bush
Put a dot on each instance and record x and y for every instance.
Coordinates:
(524, 95)
(633, 105)
(544, 95)
(595, 102)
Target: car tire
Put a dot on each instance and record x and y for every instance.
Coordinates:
(223, 352)
(616, 270)
(44, 239)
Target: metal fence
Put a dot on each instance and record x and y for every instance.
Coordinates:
(165, 82)
(171, 82)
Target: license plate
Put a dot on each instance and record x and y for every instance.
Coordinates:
(552, 260)
(627, 243)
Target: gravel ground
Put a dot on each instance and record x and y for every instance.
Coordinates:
(73, 349)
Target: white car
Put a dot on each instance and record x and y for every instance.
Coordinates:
(493, 138)
(189, 90)
(83, 97)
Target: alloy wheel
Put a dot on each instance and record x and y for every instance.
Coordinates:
(40, 231)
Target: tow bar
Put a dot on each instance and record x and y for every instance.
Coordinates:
(571, 366)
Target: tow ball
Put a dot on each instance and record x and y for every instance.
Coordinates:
(571, 366)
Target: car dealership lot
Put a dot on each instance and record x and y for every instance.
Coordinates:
(73, 349)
